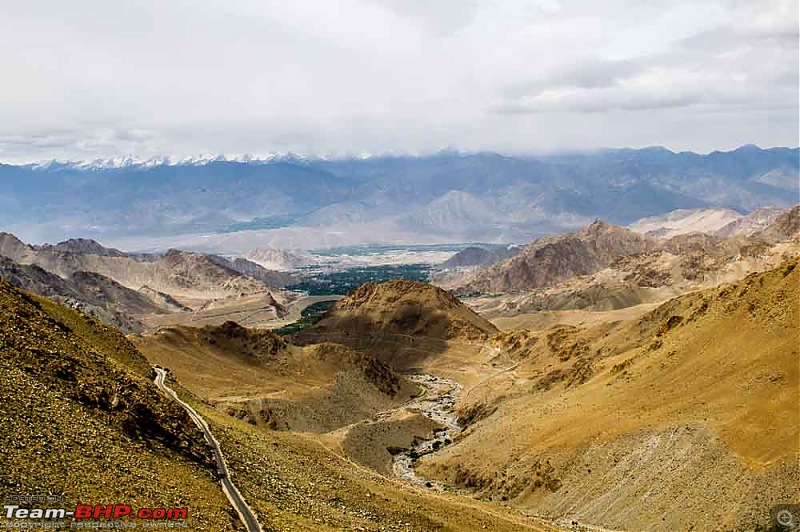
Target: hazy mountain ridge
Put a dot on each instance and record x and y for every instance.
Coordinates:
(449, 196)
(479, 256)
(752, 222)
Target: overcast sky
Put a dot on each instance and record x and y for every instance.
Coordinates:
(95, 78)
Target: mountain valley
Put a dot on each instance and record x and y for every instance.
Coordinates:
(400, 266)
(537, 387)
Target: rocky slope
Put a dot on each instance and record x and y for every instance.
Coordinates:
(720, 222)
(667, 268)
(77, 393)
(274, 279)
(15, 249)
(177, 273)
(91, 293)
(550, 260)
(401, 322)
(181, 271)
(694, 404)
(163, 300)
(752, 222)
(785, 226)
(82, 245)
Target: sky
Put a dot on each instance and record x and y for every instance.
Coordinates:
(89, 79)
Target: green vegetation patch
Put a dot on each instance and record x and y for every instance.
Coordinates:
(310, 315)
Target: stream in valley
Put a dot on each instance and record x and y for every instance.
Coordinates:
(437, 403)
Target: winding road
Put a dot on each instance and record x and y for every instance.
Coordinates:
(246, 513)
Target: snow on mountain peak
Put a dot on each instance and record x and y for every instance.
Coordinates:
(131, 161)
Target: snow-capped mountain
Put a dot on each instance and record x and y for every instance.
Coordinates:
(131, 161)
(236, 203)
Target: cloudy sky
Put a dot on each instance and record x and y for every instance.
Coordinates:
(97, 78)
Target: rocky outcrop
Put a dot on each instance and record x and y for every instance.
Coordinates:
(550, 260)
(756, 221)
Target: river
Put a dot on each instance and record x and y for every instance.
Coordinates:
(437, 403)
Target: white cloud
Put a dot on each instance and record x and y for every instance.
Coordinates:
(91, 78)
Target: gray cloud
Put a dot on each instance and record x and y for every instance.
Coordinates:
(96, 78)
(442, 17)
(582, 73)
(744, 62)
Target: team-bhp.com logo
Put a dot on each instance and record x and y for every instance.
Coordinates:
(87, 511)
(87, 516)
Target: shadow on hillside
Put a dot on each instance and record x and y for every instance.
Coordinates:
(403, 342)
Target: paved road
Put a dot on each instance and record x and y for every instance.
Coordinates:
(246, 514)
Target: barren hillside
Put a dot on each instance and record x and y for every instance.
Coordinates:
(257, 376)
(178, 273)
(91, 293)
(70, 385)
(401, 322)
(550, 260)
(694, 402)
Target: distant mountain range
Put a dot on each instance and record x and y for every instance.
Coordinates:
(220, 205)
(714, 244)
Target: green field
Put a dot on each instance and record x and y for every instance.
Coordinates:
(343, 281)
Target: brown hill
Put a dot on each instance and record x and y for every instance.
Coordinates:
(186, 272)
(77, 393)
(401, 322)
(15, 249)
(177, 273)
(271, 278)
(256, 375)
(91, 293)
(550, 260)
(83, 245)
(682, 263)
(478, 256)
(694, 404)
